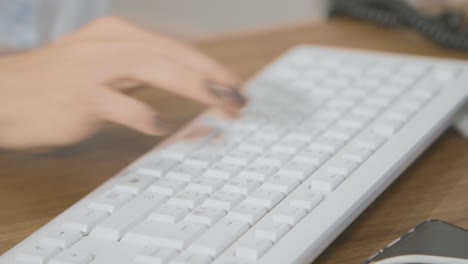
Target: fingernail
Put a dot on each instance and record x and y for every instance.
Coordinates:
(163, 126)
(226, 93)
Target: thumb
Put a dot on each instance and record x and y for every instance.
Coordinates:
(121, 109)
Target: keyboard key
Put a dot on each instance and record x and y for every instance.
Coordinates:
(187, 257)
(169, 213)
(281, 184)
(110, 201)
(387, 127)
(235, 137)
(341, 103)
(297, 170)
(413, 69)
(401, 80)
(240, 157)
(312, 156)
(249, 122)
(241, 185)
(84, 220)
(304, 133)
(357, 154)
(184, 172)
(331, 113)
(371, 140)
(224, 200)
(368, 82)
(167, 186)
(397, 114)
(232, 259)
(271, 230)
(287, 214)
(222, 234)
(258, 172)
(37, 254)
(444, 74)
(380, 71)
(391, 92)
(325, 181)
(61, 237)
(116, 225)
(408, 105)
(342, 167)
(205, 215)
(353, 122)
(341, 132)
(133, 184)
(327, 144)
(177, 236)
(264, 198)
(188, 198)
(255, 144)
(248, 213)
(272, 132)
(107, 251)
(155, 255)
(307, 199)
(365, 110)
(205, 184)
(354, 92)
(350, 71)
(179, 151)
(203, 158)
(156, 168)
(421, 94)
(222, 145)
(70, 256)
(318, 120)
(290, 146)
(252, 248)
(274, 159)
(378, 101)
(224, 171)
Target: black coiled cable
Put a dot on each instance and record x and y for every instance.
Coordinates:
(447, 30)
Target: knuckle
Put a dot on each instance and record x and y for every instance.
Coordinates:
(81, 48)
(109, 21)
(73, 135)
(111, 24)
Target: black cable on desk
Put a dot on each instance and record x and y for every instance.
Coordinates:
(447, 30)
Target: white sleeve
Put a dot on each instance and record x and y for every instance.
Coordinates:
(60, 17)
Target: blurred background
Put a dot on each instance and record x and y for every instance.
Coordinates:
(207, 18)
(31, 23)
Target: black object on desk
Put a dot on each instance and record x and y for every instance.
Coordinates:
(449, 29)
(430, 238)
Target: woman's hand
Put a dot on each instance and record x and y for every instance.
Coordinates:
(59, 94)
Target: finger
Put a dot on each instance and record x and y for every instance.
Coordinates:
(116, 107)
(115, 29)
(125, 84)
(180, 79)
(188, 55)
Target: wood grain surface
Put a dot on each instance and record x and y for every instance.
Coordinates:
(35, 187)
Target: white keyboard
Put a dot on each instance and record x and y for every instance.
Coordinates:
(326, 132)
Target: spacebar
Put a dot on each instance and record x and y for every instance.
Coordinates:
(114, 227)
(214, 241)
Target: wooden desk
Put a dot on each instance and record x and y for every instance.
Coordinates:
(34, 188)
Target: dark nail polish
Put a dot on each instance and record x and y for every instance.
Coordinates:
(163, 126)
(226, 93)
